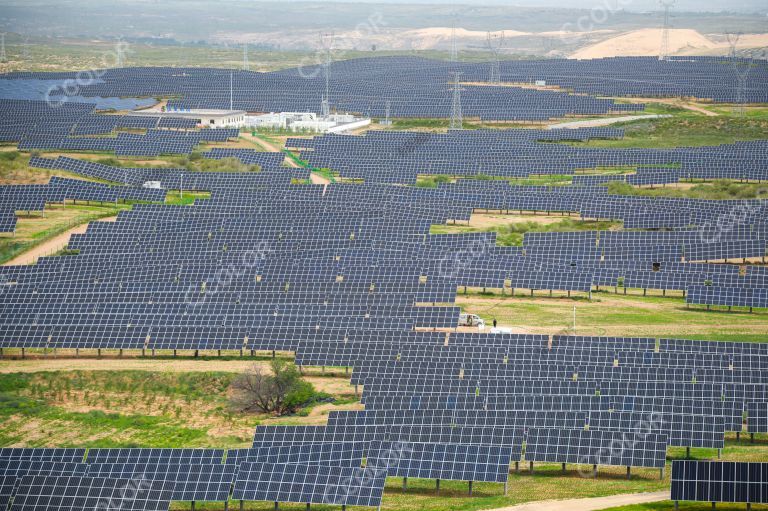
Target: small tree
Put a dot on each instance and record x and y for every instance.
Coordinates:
(279, 391)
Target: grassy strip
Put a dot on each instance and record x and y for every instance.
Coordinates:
(686, 129)
(631, 315)
(718, 190)
(511, 234)
(125, 409)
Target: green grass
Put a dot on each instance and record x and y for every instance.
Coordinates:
(126, 408)
(90, 419)
(686, 129)
(511, 234)
(184, 198)
(631, 315)
(718, 190)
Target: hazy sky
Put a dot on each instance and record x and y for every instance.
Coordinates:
(630, 5)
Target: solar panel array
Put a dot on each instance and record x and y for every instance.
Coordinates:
(349, 275)
(422, 88)
(270, 172)
(72, 126)
(399, 157)
(28, 198)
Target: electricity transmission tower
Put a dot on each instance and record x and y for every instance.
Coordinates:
(733, 40)
(495, 43)
(457, 122)
(741, 73)
(326, 43)
(664, 52)
(454, 45)
(25, 53)
(387, 111)
(119, 53)
(246, 64)
(3, 55)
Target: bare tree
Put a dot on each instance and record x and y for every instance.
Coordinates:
(280, 390)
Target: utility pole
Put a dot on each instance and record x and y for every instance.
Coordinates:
(456, 114)
(664, 53)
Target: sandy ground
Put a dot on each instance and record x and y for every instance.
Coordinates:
(487, 220)
(591, 504)
(52, 245)
(603, 122)
(647, 42)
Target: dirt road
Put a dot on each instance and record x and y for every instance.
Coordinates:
(270, 147)
(593, 123)
(52, 245)
(591, 504)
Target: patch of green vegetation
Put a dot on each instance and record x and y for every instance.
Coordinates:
(718, 190)
(444, 124)
(511, 234)
(433, 181)
(184, 198)
(686, 129)
(120, 409)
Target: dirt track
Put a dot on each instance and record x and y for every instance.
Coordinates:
(591, 504)
(52, 245)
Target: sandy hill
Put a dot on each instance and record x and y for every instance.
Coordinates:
(646, 42)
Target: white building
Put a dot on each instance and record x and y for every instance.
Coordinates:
(306, 121)
(208, 117)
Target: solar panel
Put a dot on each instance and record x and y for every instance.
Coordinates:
(311, 484)
(709, 481)
(90, 493)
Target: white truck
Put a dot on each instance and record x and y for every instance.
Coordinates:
(471, 320)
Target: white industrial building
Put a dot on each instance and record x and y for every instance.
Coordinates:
(306, 121)
(208, 117)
